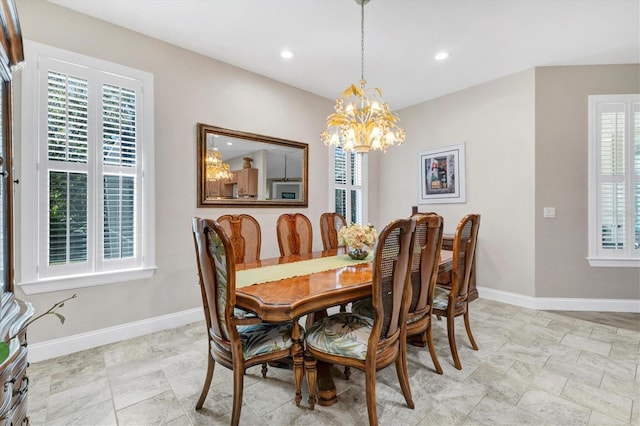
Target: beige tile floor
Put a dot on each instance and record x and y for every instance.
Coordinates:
(533, 367)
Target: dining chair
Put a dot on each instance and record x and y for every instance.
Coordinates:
(370, 344)
(424, 272)
(330, 224)
(244, 232)
(295, 234)
(245, 235)
(454, 302)
(235, 342)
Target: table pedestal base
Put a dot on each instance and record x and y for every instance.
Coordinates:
(326, 388)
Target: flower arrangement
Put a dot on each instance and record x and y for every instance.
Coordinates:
(356, 236)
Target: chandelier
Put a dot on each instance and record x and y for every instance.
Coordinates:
(215, 168)
(363, 120)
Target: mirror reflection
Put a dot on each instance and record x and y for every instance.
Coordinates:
(245, 169)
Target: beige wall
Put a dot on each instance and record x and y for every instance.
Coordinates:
(189, 88)
(561, 182)
(496, 122)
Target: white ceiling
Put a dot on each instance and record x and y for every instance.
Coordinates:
(488, 39)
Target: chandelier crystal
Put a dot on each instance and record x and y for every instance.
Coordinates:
(362, 119)
(215, 168)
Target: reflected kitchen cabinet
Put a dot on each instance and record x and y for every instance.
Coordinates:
(242, 184)
(220, 188)
(247, 180)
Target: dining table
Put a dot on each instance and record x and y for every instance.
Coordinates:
(282, 289)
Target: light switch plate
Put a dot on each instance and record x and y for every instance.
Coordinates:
(549, 212)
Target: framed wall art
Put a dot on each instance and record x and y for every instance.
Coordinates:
(442, 175)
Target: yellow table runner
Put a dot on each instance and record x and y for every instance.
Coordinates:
(265, 274)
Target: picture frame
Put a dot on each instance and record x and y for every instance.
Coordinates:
(442, 176)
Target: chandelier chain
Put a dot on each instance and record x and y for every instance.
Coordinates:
(362, 41)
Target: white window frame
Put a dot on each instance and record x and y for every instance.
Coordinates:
(629, 256)
(348, 186)
(33, 185)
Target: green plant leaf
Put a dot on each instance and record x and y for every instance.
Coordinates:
(4, 351)
(60, 317)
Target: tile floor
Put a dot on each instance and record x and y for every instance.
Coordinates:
(533, 367)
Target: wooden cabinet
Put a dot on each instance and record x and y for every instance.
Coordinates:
(221, 187)
(14, 314)
(14, 382)
(247, 180)
(244, 181)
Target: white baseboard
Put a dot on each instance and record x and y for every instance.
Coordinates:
(79, 342)
(58, 347)
(561, 303)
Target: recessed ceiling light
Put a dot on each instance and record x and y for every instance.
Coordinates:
(229, 143)
(441, 56)
(286, 54)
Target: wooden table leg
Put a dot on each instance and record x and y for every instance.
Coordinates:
(326, 389)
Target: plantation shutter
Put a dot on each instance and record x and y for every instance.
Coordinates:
(119, 160)
(67, 154)
(617, 145)
(348, 180)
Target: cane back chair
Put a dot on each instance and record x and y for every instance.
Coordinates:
(235, 342)
(295, 234)
(454, 302)
(424, 272)
(370, 344)
(244, 232)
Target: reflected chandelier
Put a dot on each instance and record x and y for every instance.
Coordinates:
(363, 120)
(215, 168)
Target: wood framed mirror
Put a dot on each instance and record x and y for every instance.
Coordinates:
(261, 171)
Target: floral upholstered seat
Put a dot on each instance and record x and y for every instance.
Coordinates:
(264, 338)
(441, 298)
(344, 334)
(363, 307)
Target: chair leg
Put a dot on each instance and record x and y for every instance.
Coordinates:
(347, 372)
(311, 375)
(403, 377)
(468, 327)
(298, 372)
(238, 384)
(451, 332)
(207, 383)
(370, 387)
(432, 350)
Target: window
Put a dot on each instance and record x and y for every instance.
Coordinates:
(348, 185)
(87, 180)
(614, 180)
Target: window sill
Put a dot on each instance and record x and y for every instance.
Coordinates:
(72, 282)
(598, 262)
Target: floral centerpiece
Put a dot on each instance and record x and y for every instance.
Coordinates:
(357, 238)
